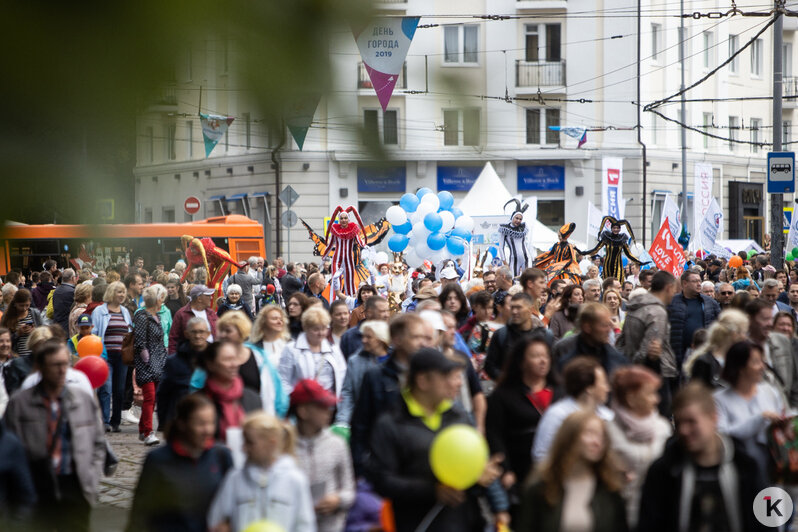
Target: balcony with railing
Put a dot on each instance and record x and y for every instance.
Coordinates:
(364, 82)
(790, 91)
(163, 99)
(534, 74)
(537, 5)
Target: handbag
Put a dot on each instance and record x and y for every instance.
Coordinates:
(128, 349)
(782, 438)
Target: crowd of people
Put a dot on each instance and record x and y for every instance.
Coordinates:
(642, 403)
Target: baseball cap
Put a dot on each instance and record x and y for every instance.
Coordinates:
(201, 290)
(310, 391)
(428, 359)
(449, 273)
(84, 320)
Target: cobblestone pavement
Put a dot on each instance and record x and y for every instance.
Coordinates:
(116, 492)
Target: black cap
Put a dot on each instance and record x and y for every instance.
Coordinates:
(428, 359)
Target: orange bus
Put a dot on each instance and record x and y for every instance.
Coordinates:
(26, 247)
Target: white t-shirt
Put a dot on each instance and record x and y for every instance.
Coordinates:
(204, 317)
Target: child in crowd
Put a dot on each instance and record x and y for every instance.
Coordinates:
(270, 487)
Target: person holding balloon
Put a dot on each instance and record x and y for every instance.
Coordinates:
(84, 326)
(429, 480)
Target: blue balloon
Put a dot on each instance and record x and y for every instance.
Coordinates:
(402, 229)
(459, 232)
(433, 222)
(398, 243)
(494, 251)
(436, 241)
(409, 202)
(455, 245)
(446, 199)
(457, 212)
(624, 261)
(423, 192)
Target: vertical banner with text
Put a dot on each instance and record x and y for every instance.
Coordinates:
(383, 46)
(702, 199)
(611, 186)
(666, 252)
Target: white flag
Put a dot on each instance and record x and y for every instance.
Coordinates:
(711, 226)
(671, 211)
(593, 222)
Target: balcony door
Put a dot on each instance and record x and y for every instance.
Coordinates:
(543, 43)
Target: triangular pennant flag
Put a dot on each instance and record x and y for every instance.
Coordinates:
(299, 115)
(383, 46)
(213, 129)
(579, 133)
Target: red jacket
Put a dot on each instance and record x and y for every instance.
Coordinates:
(178, 332)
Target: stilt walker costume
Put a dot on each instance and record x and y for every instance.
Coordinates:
(560, 261)
(513, 237)
(616, 244)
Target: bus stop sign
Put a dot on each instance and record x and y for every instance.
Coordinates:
(781, 172)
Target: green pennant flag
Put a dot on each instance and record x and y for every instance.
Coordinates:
(299, 116)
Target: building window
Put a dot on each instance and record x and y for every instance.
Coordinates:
(786, 59)
(551, 213)
(171, 133)
(168, 215)
(147, 215)
(461, 127)
(734, 45)
(656, 38)
(538, 126)
(734, 125)
(755, 124)
(390, 125)
(756, 58)
(190, 138)
(543, 41)
(461, 44)
(147, 149)
(248, 129)
(708, 50)
(707, 127)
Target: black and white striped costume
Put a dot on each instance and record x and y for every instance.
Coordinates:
(514, 239)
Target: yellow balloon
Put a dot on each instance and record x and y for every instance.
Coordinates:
(263, 526)
(458, 456)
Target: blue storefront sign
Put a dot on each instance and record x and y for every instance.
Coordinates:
(381, 178)
(457, 177)
(534, 177)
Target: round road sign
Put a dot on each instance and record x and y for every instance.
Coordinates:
(192, 205)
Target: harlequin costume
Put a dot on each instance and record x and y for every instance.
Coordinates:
(346, 245)
(216, 262)
(513, 237)
(560, 261)
(616, 244)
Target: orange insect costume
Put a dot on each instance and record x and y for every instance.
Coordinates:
(216, 261)
(560, 261)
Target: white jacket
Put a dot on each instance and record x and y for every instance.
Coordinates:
(279, 494)
(298, 362)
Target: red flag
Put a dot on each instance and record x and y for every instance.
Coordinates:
(666, 251)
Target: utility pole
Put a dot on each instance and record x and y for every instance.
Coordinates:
(684, 121)
(777, 200)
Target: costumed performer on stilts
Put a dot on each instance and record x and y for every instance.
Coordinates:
(616, 244)
(513, 236)
(560, 261)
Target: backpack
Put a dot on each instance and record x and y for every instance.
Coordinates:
(49, 310)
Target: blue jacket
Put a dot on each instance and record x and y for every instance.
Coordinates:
(351, 341)
(356, 368)
(677, 314)
(100, 318)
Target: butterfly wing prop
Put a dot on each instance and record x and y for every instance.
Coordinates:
(319, 242)
(376, 232)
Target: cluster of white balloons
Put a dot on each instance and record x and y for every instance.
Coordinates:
(428, 227)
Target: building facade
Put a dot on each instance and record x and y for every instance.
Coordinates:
(477, 90)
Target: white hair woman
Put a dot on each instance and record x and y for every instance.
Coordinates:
(234, 301)
(312, 356)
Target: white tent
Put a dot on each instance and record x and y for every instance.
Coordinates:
(740, 245)
(487, 197)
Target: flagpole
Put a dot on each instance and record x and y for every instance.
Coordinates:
(684, 121)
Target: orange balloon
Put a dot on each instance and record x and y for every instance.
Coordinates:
(735, 262)
(90, 345)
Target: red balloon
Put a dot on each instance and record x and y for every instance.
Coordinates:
(95, 368)
(90, 345)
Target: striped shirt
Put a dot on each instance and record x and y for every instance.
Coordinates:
(22, 341)
(115, 332)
